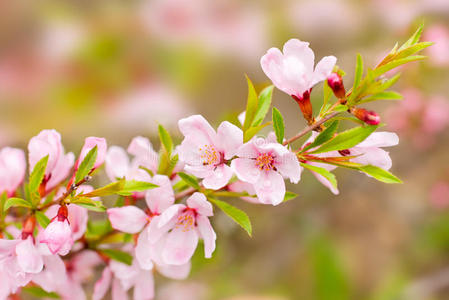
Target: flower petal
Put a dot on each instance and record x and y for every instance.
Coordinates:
(117, 163)
(143, 251)
(229, 139)
(198, 201)
(270, 188)
(208, 235)
(288, 166)
(144, 287)
(180, 246)
(380, 139)
(162, 197)
(245, 169)
(323, 69)
(128, 219)
(28, 257)
(218, 178)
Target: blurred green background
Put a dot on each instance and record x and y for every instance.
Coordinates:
(118, 68)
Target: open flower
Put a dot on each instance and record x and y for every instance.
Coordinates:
(182, 226)
(264, 164)
(292, 71)
(58, 234)
(12, 169)
(205, 152)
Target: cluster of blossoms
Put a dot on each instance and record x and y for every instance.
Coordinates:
(48, 240)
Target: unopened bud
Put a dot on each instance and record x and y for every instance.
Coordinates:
(63, 213)
(335, 82)
(368, 116)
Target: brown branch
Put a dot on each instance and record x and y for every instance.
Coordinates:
(310, 128)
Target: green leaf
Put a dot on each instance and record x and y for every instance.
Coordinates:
(394, 64)
(86, 165)
(252, 131)
(358, 71)
(323, 172)
(42, 219)
(39, 292)
(324, 136)
(389, 95)
(347, 139)
(239, 216)
(110, 189)
(38, 173)
(414, 38)
(118, 255)
(151, 173)
(17, 202)
(278, 125)
(190, 180)
(289, 196)
(251, 105)
(380, 174)
(97, 228)
(166, 140)
(263, 106)
(90, 204)
(131, 186)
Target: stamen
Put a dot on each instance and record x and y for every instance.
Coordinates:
(265, 162)
(186, 221)
(209, 155)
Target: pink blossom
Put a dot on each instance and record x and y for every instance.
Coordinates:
(264, 164)
(89, 143)
(182, 226)
(439, 52)
(77, 218)
(58, 234)
(48, 142)
(206, 152)
(244, 187)
(12, 169)
(292, 71)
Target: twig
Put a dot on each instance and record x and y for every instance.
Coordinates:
(310, 128)
(185, 193)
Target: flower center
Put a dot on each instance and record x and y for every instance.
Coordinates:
(209, 155)
(186, 220)
(265, 162)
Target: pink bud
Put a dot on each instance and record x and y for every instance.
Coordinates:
(12, 169)
(369, 117)
(89, 143)
(335, 82)
(58, 234)
(47, 142)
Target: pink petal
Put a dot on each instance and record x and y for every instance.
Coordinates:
(271, 64)
(270, 188)
(117, 163)
(89, 143)
(198, 129)
(372, 156)
(380, 139)
(169, 214)
(208, 235)
(180, 246)
(12, 169)
(229, 139)
(245, 169)
(28, 257)
(241, 186)
(7, 247)
(61, 170)
(144, 287)
(47, 142)
(144, 153)
(155, 232)
(143, 251)
(78, 220)
(199, 202)
(301, 51)
(128, 219)
(288, 166)
(218, 178)
(53, 276)
(102, 285)
(162, 197)
(323, 69)
(118, 293)
(175, 272)
(249, 149)
(201, 171)
(58, 237)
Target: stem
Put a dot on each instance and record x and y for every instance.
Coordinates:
(185, 193)
(310, 128)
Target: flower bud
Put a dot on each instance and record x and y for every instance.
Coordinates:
(335, 82)
(368, 116)
(58, 234)
(89, 143)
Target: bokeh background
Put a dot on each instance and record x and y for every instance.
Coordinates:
(118, 68)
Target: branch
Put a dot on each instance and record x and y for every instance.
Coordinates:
(310, 128)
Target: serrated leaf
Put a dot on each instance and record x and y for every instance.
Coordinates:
(190, 180)
(17, 202)
(324, 136)
(380, 174)
(289, 196)
(86, 165)
(264, 103)
(132, 186)
(42, 219)
(323, 172)
(39, 292)
(239, 216)
(278, 125)
(347, 139)
(388, 95)
(38, 173)
(251, 105)
(118, 255)
(358, 71)
(166, 140)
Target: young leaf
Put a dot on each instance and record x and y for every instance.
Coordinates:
(358, 71)
(17, 202)
(252, 131)
(239, 216)
(251, 105)
(118, 255)
(190, 180)
(110, 189)
(263, 105)
(131, 186)
(394, 64)
(389, 95)
(42, 219)
(90, 204)
(323, 172)
(324, 136)
(39, 292)
(347, 139)
(278, 125)
(289, 196)
(380, 174)
(86, 165)
(414, 38)
(166, 139)
(37, 175)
